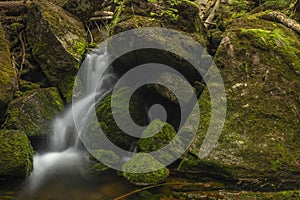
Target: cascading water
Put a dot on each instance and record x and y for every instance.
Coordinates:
(65, 154)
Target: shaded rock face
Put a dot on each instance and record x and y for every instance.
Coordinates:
(8, 77)
(33, 112)
(179, 15)
(259, 63)
(15, 154)
(58, 42)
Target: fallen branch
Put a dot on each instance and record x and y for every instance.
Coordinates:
(211, 23)
(23, 56)
(90, 33)
(101, 13)
(209, 6)
(279, 17)
(212, 14)
(95, 19)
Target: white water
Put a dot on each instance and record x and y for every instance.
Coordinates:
(66, 154)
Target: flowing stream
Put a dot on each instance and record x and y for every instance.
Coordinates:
(65, 159)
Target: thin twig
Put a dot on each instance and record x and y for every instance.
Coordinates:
(212, 14)
(23, 56)
(90, 33)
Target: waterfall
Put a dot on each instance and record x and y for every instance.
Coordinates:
(65, 153)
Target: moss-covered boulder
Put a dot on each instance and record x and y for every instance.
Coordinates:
(58, 43)
(8, 77)
(259, 63)
(157, 135)
(15, 154)
(33, 112)
(140, 162)
(107, 121)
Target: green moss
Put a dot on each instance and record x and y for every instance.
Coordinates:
(80, 47)
(258, 61)
(16, 26)
(160, 139)
(278, 41)
(15, 154)
(107, 122)
(140, 162)
(34, 111)
(181, 15)
(27, 86)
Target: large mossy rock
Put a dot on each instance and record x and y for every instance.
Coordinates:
(15, 154)
(8, 77)
(107, 121)
(259, 63)
(33, 112)
(58, 43)
(143, 161)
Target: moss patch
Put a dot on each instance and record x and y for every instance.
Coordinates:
(140, 162)
(107, 122)
(15, 154)
(160, 139)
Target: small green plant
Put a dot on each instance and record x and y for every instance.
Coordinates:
(240, 8)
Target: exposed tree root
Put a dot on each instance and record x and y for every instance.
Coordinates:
(279, 17)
